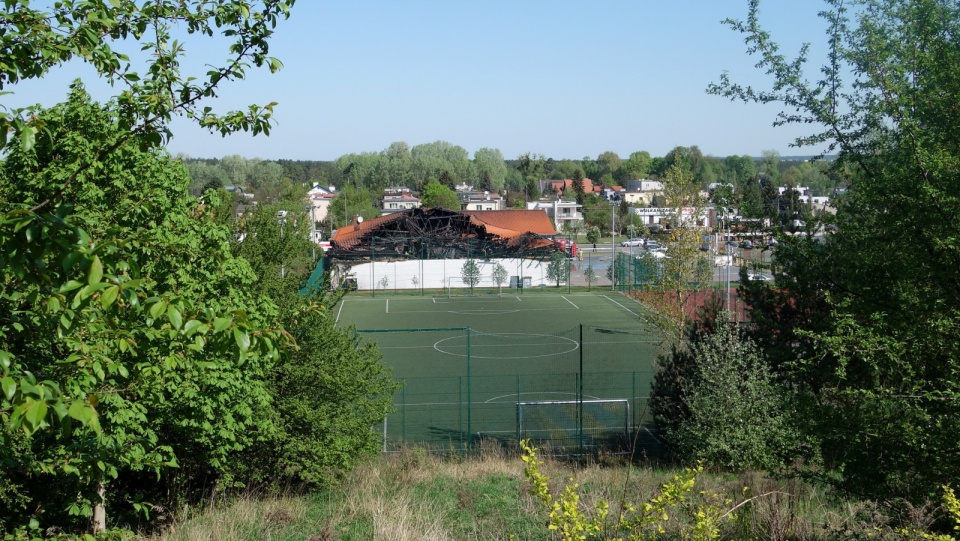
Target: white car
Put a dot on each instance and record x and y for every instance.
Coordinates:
(757, 277)
(632, 242)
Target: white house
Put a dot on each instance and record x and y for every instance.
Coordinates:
(473, 200)
(398, 201)
(660, 216)
(561, 212)
(318, 203)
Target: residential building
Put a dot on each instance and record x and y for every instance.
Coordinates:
(563, 213)
(481, 201)
(660, 216)
(398, 199)
(318, 204)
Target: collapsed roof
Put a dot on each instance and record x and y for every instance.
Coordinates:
(436, 233)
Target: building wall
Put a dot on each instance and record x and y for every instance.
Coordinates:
(442, 273)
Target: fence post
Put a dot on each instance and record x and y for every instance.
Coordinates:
(469, 401)
(460, 411)
(580, 396)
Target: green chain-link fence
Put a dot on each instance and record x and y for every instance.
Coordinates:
(571, 391)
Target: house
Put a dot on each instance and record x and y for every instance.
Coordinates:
(472, 200)
(641, 192)
(563, 213)
(398, 199)
(318, 203)
(661, 216)
(565, 187)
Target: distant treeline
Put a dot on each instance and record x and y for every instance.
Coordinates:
(448, 164)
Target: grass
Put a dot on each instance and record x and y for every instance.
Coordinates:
(414, 495)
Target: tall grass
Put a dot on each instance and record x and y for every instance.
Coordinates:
(416, 496)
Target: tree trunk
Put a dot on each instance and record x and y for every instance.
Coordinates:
(100, 509)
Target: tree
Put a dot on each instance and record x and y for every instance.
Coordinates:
(350, 202)
(636, 167)
(470, 273)
(499, 275)
(733, 414)
(557, 268)
(531, 167)
(91, 307)
(431, 160)
(490, 168)
(326, 393)
(439, 196)
(156, 90)
(136, 352)
(590, 276)
(609, 164)
(593, 235)
(683, 273)
(886, 405)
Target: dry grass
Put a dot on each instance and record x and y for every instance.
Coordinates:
(248, 517)
(415, 496)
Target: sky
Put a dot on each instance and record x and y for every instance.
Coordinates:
(560, 78)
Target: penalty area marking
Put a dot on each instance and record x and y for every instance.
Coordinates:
(571, 302)
(576, 345)
(621, 306)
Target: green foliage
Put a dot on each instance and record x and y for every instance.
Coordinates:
(647, 520)
(326, 395)
(682, 273)
(558, 268)
(350, 203)
(590, 276)
(440, 196)
(470, 273)
(115, 360)
(737, 417)
(880, 369)
(137, 352)
(499, 274)
(106, 39)
(593, 234)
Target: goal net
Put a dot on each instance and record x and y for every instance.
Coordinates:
(576, 425)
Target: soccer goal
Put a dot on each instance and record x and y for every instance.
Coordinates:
(572, 425)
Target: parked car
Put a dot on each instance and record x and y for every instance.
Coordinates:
(632, 242)
(652, 246)
(746, 245)
(705, 247)
(757, 277)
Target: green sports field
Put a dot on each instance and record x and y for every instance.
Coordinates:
(466, 362)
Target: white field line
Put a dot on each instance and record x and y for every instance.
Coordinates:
(621, 306)
(652, 436)
(571, 302)
(388, 306)
(344, 301)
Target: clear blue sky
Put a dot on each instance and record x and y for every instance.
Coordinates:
(560, 78)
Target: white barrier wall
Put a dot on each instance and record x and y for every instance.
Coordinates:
(442, 273)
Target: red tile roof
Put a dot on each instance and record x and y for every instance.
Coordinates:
(347, 236)
(562, 186)
(513, 223)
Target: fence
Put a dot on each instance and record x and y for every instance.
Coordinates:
(478, 384)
